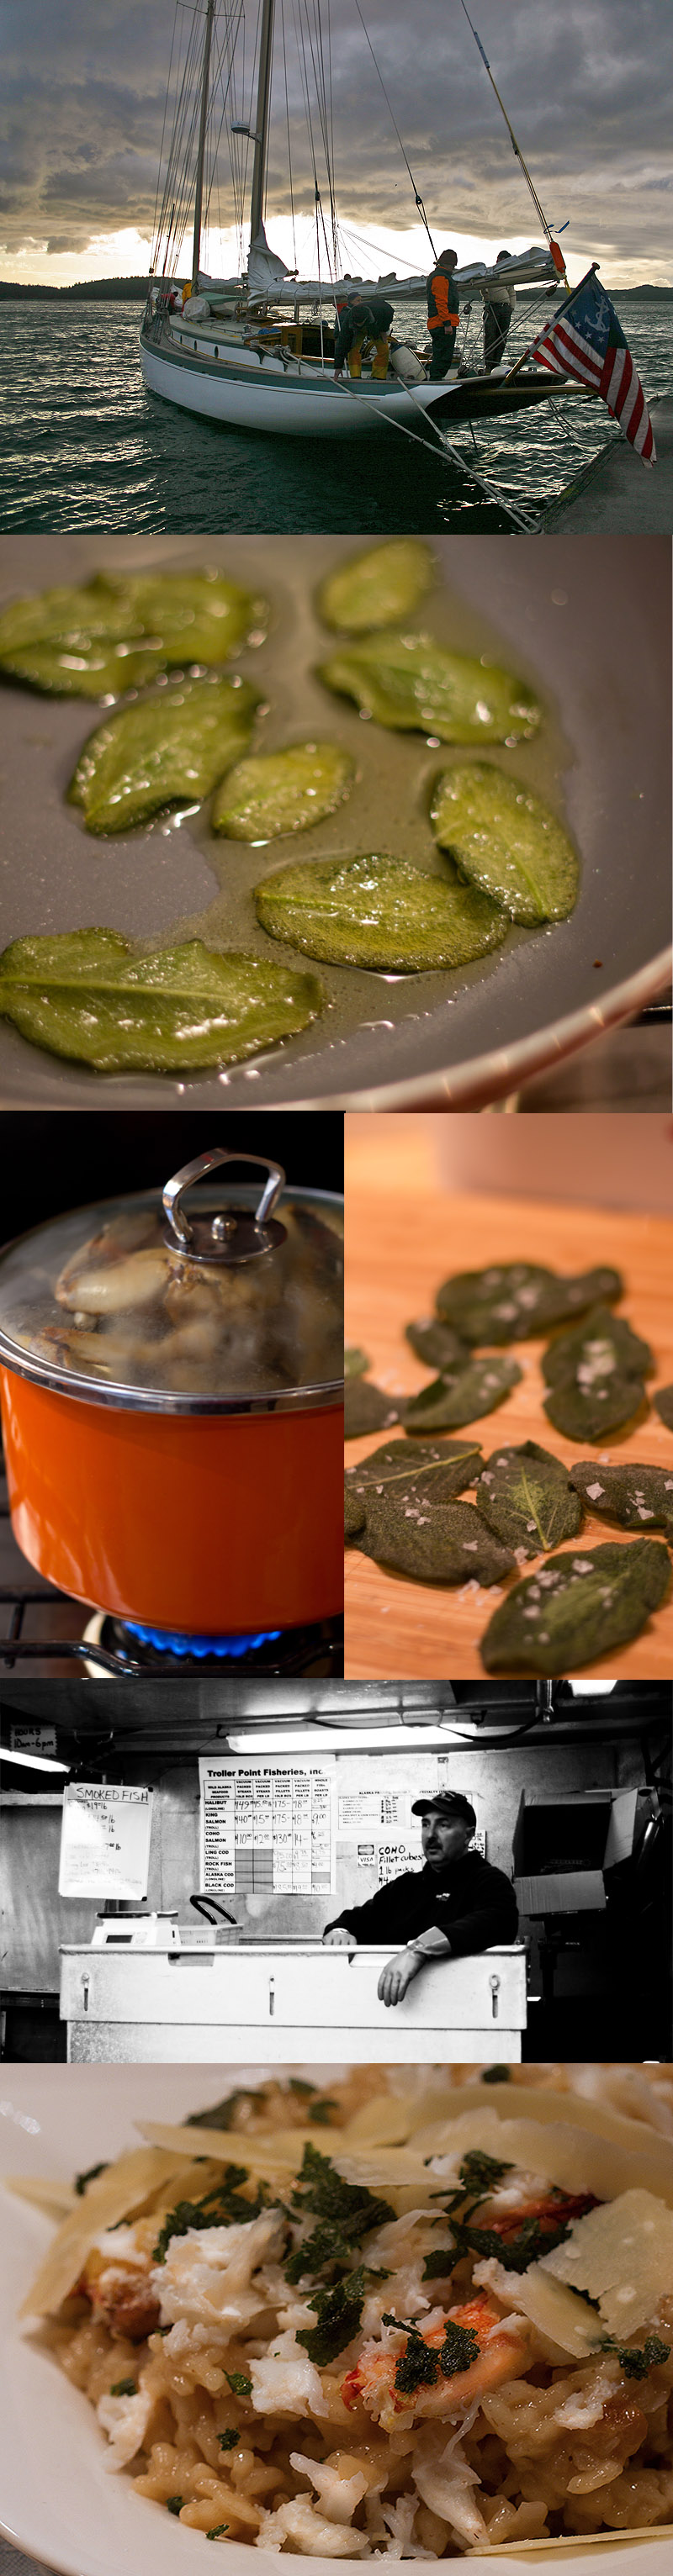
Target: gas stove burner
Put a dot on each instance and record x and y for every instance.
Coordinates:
(316, 1650)
(205, 1649)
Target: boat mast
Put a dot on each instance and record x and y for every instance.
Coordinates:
(262, 118)
(198, 201)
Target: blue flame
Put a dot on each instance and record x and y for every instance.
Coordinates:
(167, 1642)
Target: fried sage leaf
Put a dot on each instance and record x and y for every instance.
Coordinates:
(166, 750)
(525, 1496)
(596, 1375)
(426, 1471)
(366, 1408)
(519, 1298)
(88, 994)
(630, 1494)
(411, 684)
(378, 912)
(663, 1404)
(461, 1395)
(354, 1509)
(356, 1362)
(506, 841)
(436, 1344)
(578, 1607)
(435, 1542)
(375, 588)
(282, 791)
(115, 632)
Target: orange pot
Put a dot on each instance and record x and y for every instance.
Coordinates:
(212, 1526)
(198, 1494)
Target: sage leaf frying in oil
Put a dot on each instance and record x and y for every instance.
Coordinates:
(277, 792)
(377, 587)
(166, 749)
(90, 995)
(411, 684)
(506, 840)
(378, 912)
(117, 631)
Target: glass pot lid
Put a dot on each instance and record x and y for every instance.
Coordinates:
(226, 1298)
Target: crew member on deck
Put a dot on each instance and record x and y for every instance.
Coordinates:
(450, 1909)
(363, 317)
(499, 304)
(443, 314)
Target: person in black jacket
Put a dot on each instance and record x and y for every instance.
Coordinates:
(452, 1908)
(363, 317)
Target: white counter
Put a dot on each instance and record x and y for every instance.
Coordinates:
(261, 2000)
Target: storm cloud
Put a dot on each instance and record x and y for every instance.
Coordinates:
(587, 85)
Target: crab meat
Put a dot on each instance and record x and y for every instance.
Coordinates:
(502, 2352)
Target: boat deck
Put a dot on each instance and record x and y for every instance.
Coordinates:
(616, 494)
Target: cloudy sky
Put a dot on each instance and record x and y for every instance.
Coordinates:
(587, 84)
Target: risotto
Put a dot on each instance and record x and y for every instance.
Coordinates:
(412, 2316)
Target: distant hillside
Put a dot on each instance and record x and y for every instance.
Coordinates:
(133, 290)
(97, 290)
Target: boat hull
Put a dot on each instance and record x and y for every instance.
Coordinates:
(295, 404)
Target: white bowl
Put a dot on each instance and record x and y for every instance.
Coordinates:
(58, 2501)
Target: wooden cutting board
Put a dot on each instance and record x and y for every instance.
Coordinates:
(404, 1234)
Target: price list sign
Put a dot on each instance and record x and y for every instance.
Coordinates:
(105, 1840)
(266, 1827)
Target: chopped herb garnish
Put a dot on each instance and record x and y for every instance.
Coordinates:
(637, 2359)
(230, 2439)
(91, 2175)
(347, 2212)
(221, 2115)
(459, 2349)
(174, 2504)
(217, 2531)
(339, 2311)
(239, 2383)
(124, 2388)
(496, 2075)
(224, 2206)
(419, 2365)
(298, 2084)
(322, 2111)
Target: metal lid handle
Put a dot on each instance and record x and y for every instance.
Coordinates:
(184, 1232)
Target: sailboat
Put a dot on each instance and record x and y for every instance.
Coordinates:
(256, 351)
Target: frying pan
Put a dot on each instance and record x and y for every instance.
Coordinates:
(588, 620)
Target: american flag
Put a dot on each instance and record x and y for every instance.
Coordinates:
(586, 340)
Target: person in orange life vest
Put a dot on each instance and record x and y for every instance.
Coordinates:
(363, 317)
(443, 314)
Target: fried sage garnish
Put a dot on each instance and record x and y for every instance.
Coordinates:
(90, 995)
(461, 1395)
(117, 631)
(436, 1344)
(436, 1542)
(366, 1408)
(525, 1496)
(377, 587)
(411, 684)
(577, 1607)
(515, 1299)
(430, 1471)
(169, 749)
(277, 792)
(378, 912)
(596, 1375)
(631, 1495)
(505, 840)
(663, 1404)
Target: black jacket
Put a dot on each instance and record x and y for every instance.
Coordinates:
(373, 316)
(473, 1903)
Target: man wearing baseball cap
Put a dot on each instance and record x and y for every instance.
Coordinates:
(456, 1905)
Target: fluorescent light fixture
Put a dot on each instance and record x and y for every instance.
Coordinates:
(33, 1761)
(591, 1690)
(339, 1739)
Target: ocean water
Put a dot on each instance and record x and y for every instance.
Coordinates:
(83, 445)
